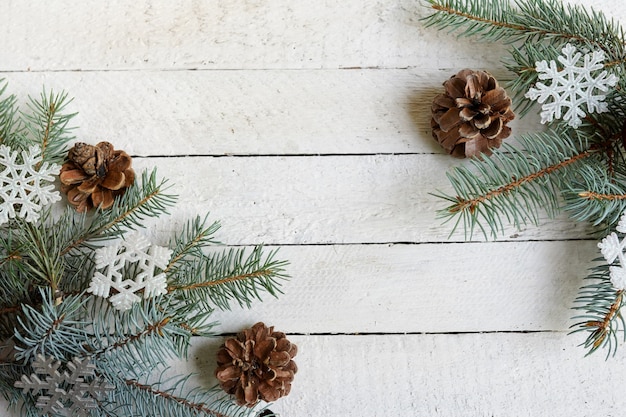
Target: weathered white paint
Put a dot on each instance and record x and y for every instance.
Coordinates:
(234, 34)
(328, 199)
(245, 112)
(447, 375)
(224, 34)
(503, 375)
(431, 288)
(326, 107)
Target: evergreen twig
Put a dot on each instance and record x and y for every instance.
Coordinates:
(581, 172)
(46, 268)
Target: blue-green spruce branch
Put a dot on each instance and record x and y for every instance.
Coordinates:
(579, 171)
(45, 271)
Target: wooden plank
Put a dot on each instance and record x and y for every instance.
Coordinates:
(451, 375)
(430, 288)
(241, 34)
(437, 375)
(252, 112)
(322, 200)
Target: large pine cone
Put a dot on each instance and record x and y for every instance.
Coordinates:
(94, 175)
(470, 117)
(256, 365)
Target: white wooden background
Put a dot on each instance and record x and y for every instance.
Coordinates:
(305, 124)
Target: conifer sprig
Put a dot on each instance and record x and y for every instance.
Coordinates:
(52, 328)
(147, 199)
(512, 186)
(229, 276)
(529, 20)
(595, 197)
(48, 125)
(600, 304)
(160, 398)
(10, 123)
(582, 172)
(47, 266)
(188, 245)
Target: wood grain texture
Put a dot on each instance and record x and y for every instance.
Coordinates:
(224, 34)
(451, 375)
(516, 375)
(253, 112)
(429, 288)
(321, 200)
(234, 34)
(305, 125)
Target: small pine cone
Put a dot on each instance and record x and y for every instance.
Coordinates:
(470, 117)
(256, 365)
(94, 175)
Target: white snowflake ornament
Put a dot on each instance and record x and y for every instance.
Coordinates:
(618, 277)
(69, 393)
(572, 86)
(612, 249)
(135, 254)
(23, 188)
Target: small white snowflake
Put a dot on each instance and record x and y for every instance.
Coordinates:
(134, 255)
(72, 393)
(612, 248)
(22, 190)
(572, 87)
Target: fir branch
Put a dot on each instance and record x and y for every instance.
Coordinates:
(596, 197)
(14, 281)
(42, 250)
(179, 401)
(229, 276)
(196, 407)
(590, 195)
(512, 185)
(10, 126)
(53, 329)
(48, 125)
(490, 19)
(140, 339)
(189, 243)
(522, 62)
(148, 199)
(531, 21)
(601, 304)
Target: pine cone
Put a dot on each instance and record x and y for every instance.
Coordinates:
(470, 117)
(256, 365)
(95, 175)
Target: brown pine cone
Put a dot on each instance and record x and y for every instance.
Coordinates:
(256, 365)
(470, 117)
(94, 175)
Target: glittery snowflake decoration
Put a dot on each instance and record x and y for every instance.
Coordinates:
(572, 86)
(612, 248)
(72, 392)
(136, 256)
(23, 191)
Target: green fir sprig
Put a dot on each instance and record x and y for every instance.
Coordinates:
(599, 304)
(579, 171)
(46, 268)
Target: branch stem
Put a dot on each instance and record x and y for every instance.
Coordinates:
(182, 401)
(472, 203)
(234, 278)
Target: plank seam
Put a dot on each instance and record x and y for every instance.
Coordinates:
(400, 243)
(414, 333)
(226, 69)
